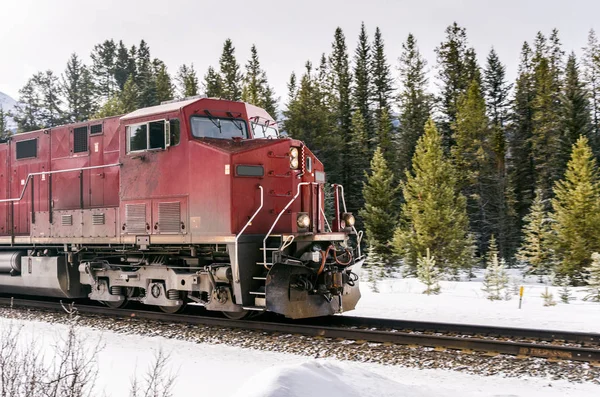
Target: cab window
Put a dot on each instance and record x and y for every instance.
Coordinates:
(153, 135)
(220, 128)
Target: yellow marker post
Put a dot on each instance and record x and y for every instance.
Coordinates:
(521, 295)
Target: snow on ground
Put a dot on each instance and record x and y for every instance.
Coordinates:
(203, 369)
(465, 302)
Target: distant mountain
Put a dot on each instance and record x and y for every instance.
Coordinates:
(8, 105)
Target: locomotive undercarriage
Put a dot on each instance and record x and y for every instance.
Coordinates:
(304, 279)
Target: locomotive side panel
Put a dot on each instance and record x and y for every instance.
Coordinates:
(4, 188)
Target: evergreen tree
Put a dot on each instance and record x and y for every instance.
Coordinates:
(565, 291)
(577, 211)
(124, 65)
(593, 279)
(471, 155)
(231, 76)
(112, 107)
(545, 139)
(379, 213)
(548, 298)
(359, 157)
(452, 76)
(496, 90)
(385, 136)
(28, 108)
(361, 91)
(103, 69)
(129, 98)
(521, 168)
(428, 274)
(256, 89)
(415, 103)
(51, 113)
(434, 214)
(536, 251)
(575, 111)
(213, 84)
(4, 131)
(187, 81)
(145, 78)
(78, 88)
(164, 86)
(309, 119)
(338, 93)
(382, 81)
(492, 251)
(591, 76)
(495, 280)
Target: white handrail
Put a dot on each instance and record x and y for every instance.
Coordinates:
(32, 174)
(237, 267)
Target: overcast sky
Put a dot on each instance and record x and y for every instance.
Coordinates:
(38, 35)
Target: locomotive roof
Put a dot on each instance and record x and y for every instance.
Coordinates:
(164, 108)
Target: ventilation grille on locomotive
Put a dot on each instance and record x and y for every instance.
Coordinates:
(80, 139)
(169, 217)
(135, 218)
(95, 129)
(67, 220)
(98, 219)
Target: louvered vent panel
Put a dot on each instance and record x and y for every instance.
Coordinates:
(169, 217)
(67, 220)
(98, 219)
(96, 129)
(135, 218)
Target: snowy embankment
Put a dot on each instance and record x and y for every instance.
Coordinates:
(465, 302)
(203, 369)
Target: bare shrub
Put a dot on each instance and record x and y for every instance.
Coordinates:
(157, 382)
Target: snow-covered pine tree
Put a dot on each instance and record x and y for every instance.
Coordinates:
(375, 265)
(492, 251)
(379, 212)
(548, 298)
(565, 290)
(593, 279)
(428, 274)
(187, 81)
(577, 213)
(434, 213)
(536, 249)
(495, 280)
(231, 76)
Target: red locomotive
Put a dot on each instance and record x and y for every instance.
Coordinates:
(196, 201)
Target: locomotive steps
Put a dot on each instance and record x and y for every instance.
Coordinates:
(552, 345)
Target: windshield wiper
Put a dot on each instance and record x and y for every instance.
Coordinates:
(217, 123)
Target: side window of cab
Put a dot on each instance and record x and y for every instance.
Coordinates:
(153, 135)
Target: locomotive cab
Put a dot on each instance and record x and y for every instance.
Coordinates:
(197, 201)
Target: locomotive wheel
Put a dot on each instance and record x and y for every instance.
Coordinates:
(173, 309)
(116, 305)
(244, 314)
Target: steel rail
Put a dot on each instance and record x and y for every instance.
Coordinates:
(470, 344)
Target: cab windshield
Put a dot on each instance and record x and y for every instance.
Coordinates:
(263, 131)
(220, 128)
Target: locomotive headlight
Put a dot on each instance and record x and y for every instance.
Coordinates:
(294, 161)
(348, 219)
(303, 221)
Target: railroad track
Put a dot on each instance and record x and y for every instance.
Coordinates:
(521, 342)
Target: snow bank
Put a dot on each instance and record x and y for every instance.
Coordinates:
(465, 302)
(322, 378)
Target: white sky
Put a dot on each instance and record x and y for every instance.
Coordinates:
(37, 35)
